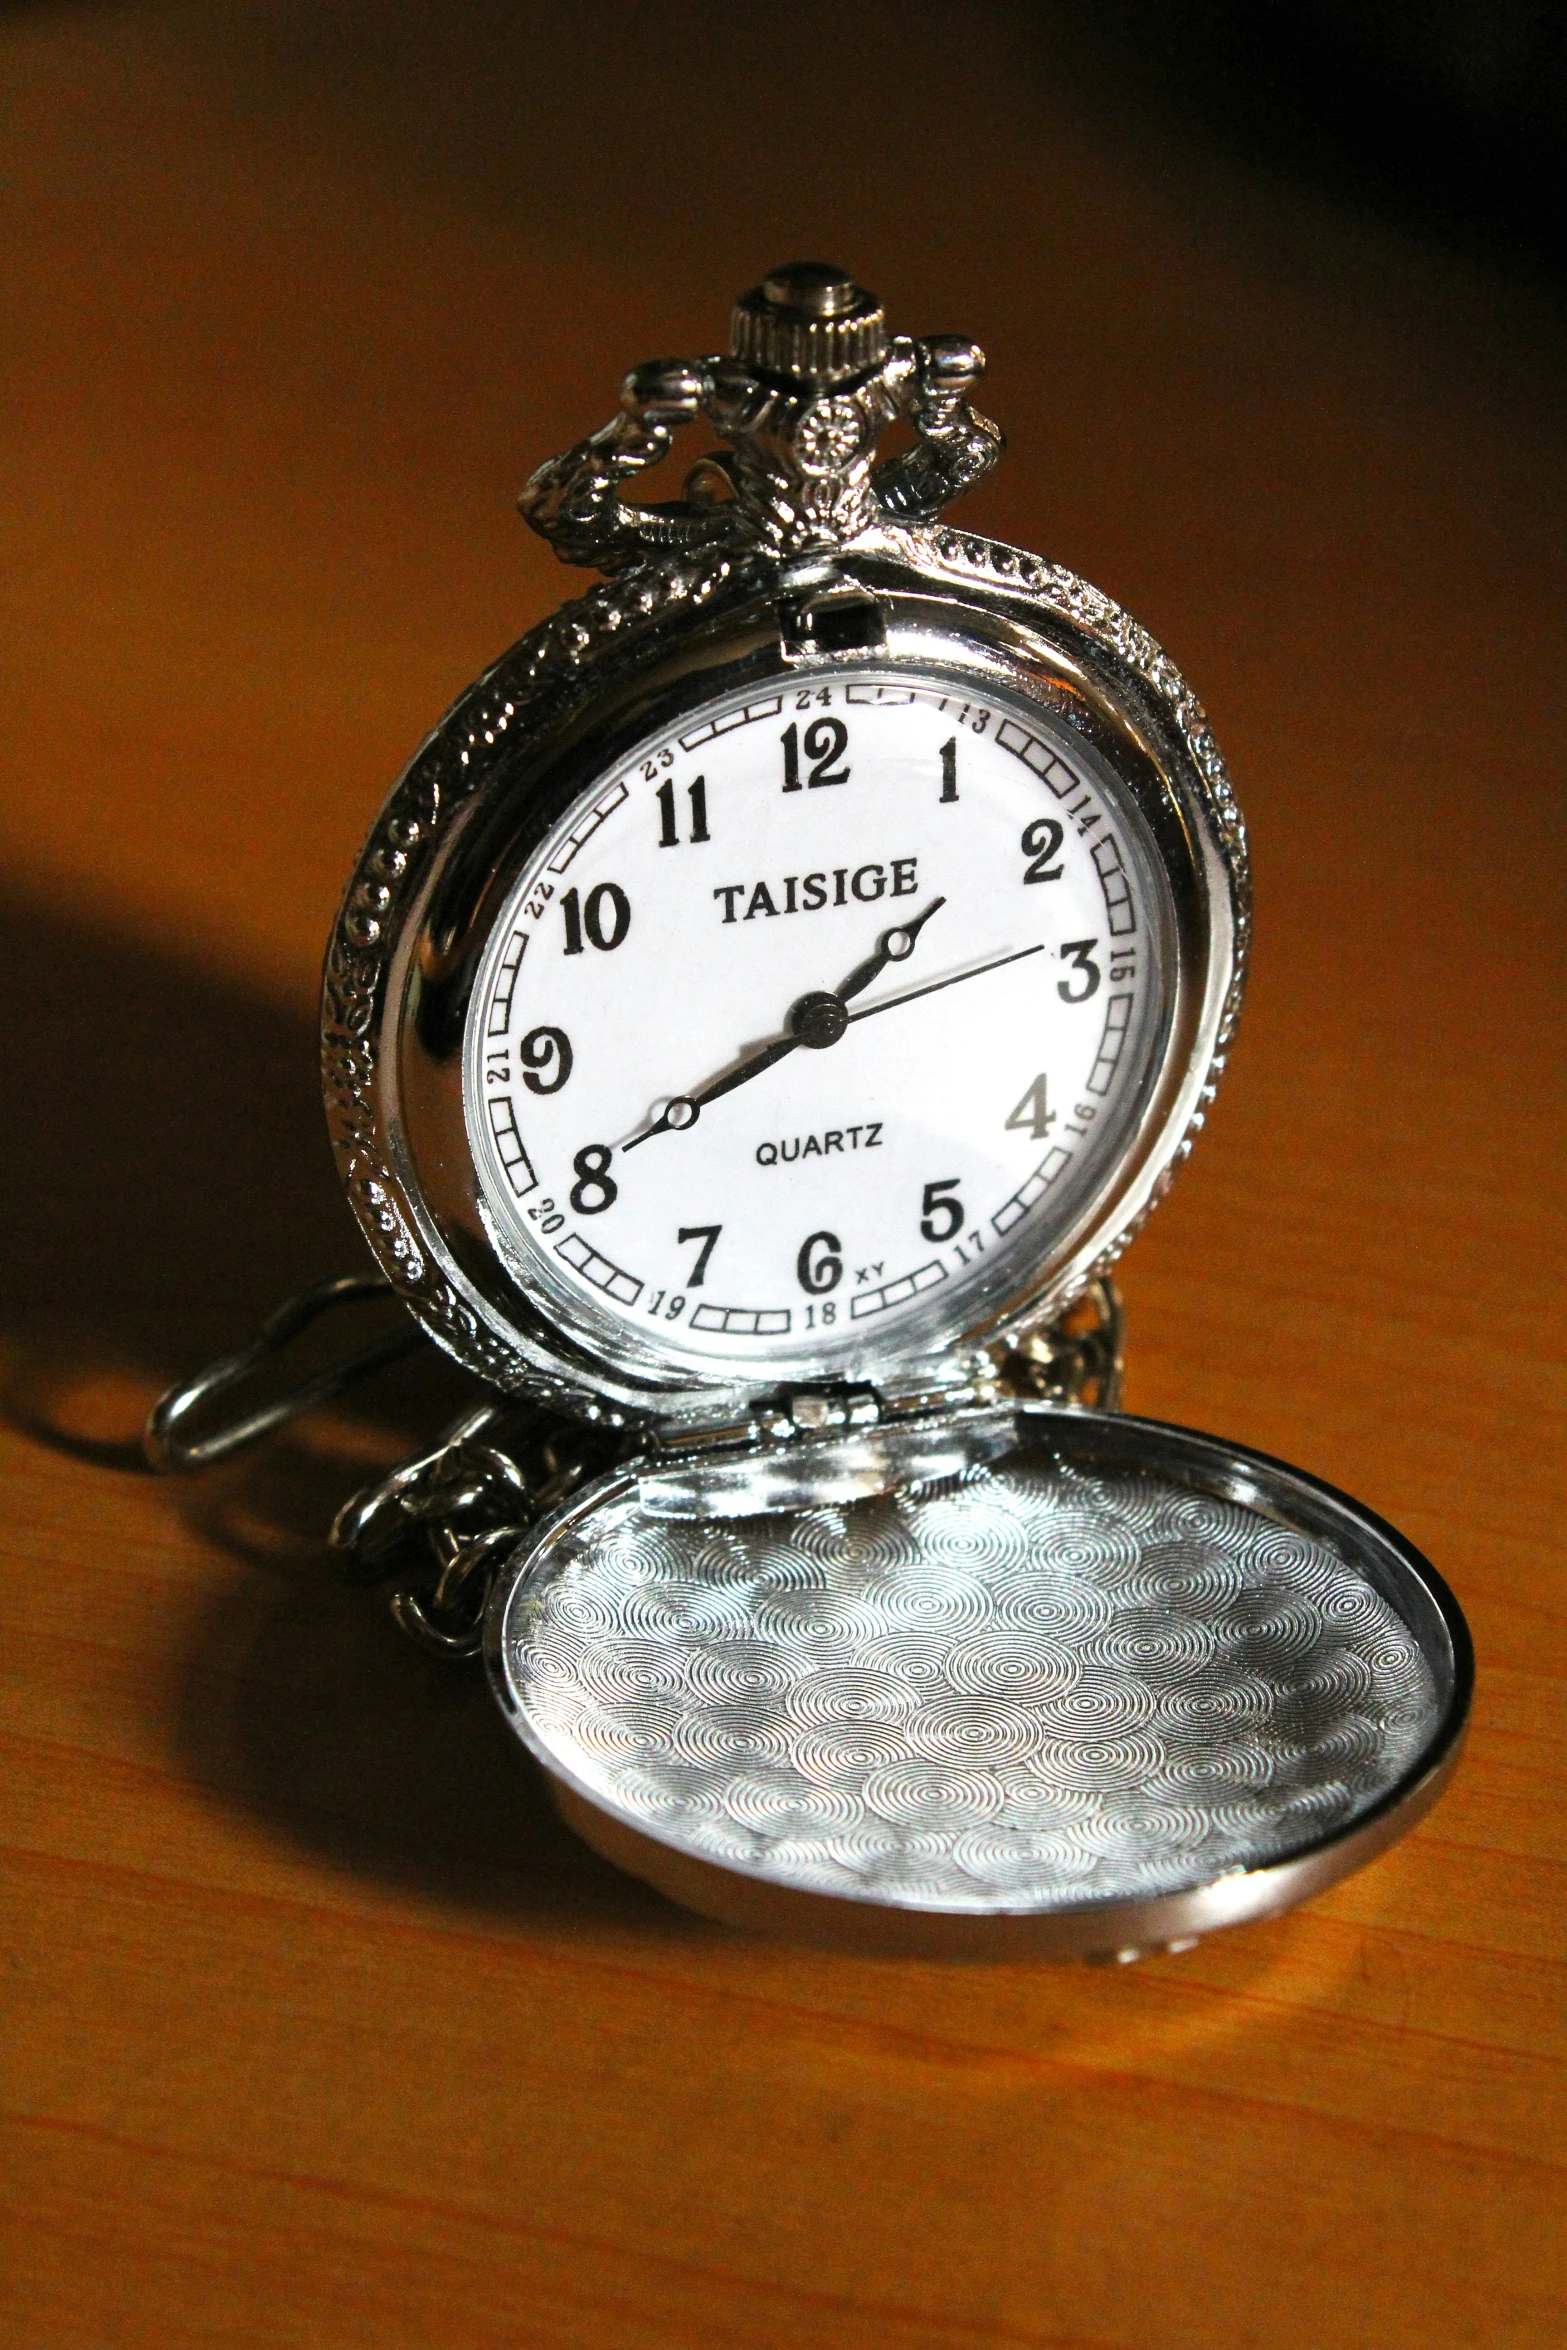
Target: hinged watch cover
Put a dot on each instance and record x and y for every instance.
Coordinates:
(1069, 1683)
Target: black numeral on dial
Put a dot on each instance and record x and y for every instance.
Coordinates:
(820, 1263)
(940, 1215)
(949, 769)
(1033, 1114)
(1079, 952)
(1040, 841)
(545, 1054)
(603, 917)
(668, 829)
(707, 1234)
(826, 739)
(595, 1188)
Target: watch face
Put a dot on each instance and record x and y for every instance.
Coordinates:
(809, 1029)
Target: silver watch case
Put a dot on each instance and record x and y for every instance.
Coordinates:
(577, 697)
(880, 1661)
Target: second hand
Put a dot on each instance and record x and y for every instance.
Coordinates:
(934, 986)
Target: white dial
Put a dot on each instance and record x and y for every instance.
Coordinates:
(801, 1022)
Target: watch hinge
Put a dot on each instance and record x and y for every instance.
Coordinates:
(829, 1407)
(837, 618)
(817, 1409)
(785, 1415)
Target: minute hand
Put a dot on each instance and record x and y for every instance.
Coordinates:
(934, 986)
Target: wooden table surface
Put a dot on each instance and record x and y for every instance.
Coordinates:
(318, 2029)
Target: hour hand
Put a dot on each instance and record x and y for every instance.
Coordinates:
(894, 945)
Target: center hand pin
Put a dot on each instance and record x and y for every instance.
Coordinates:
(816, 1020)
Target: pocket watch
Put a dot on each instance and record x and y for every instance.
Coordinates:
(763, 1010)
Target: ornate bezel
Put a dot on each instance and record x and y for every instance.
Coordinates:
(577, 692)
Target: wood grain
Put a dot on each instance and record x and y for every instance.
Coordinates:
(317, 2028)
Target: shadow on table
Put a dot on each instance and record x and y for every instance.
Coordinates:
(168, 1181)
(304, 1703)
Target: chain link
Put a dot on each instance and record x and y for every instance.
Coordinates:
(1079, 1359)
(439, 1527)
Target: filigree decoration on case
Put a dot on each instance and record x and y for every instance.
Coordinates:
(1088, 608)
(1099, 616)
(809, 386)
(542, 671)
(614, 612)
(350, 1003)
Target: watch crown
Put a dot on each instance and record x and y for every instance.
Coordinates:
(811, 321)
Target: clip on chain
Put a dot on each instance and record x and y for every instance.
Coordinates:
(168, 1447)
(439, 1524)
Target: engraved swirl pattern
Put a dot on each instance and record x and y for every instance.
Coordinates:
(1022, 1689)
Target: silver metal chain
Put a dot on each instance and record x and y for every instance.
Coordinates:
(437, 1528)
(449, 1518)
(440, 1525)
(1078, 1359)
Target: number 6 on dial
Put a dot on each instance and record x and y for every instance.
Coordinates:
(820, 1264)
